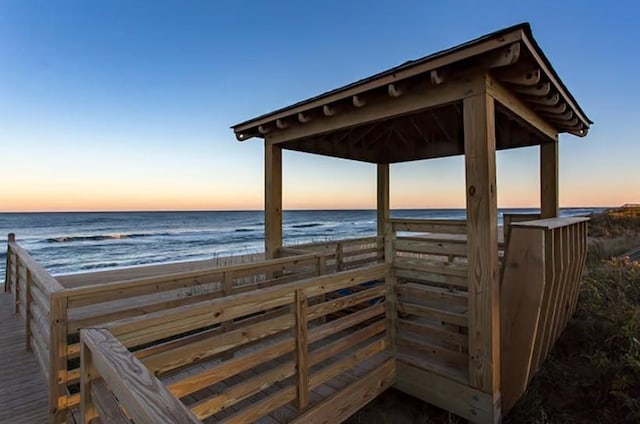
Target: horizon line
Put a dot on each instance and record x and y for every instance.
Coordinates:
(284, 210)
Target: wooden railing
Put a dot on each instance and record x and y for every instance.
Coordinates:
(431, 288)
(54, 314)
(35, 292)
(345, 254)
(543, 268)
(286, 341)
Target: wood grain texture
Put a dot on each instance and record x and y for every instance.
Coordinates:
(272, 199)
(23, 388)
(549, 180)
(482, 243)
(520, 305)
(144, 397)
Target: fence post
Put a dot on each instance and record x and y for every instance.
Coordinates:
(58, 358)
(390, 283)
(27, 315)
(302, 349)
(87, 408)
(338, 256)
(11, 238)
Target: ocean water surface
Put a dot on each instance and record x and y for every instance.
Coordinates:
(69, 242)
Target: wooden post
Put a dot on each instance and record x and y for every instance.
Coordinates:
(27, 315)
(383, 212)
(58, 358)
(482, 246)
(339, 264)
(11, 238)
(272, 199)
(302, 349)
(87, 408)
(549, 204)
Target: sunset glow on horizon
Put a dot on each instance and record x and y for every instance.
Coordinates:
(127, 106)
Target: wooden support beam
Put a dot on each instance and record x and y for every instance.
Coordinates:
(419, 98)
(281, 124)
(541, 89)
(482, 245)
(519, 75)
(549, 199)
(383, 213)
(520, 109)
(272, 199)
(502, 57)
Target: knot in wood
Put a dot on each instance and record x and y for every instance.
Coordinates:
(472, 190)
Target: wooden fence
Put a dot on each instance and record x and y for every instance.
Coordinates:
(542, 274)
(54, 312)
(302, 341)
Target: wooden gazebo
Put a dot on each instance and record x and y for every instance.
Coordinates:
(496, 92)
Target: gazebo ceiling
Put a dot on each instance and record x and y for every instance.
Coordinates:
(414, 111)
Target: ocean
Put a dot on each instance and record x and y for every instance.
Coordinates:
(69, 242)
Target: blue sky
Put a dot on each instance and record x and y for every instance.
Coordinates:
(127, 105)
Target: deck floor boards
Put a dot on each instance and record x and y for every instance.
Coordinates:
(23, 390)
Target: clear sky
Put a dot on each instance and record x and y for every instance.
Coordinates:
(126, 105)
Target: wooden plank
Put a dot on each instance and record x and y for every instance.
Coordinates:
(354, 397)
(482, 235)
(383, 211)
(432, 266)
(434, 314)
(520, 304)
(333, 327)
(546, 306)
(263, 407)
(144, 397)
(444, 248)
(451, 226)
(431, 331)
(467, 402)
(244, 390)
(302, 349)
(549, 180)
(182, 355)
(343, 302)
(430, 278)
(107, 405)
(229, 368)
(272, 199)
(157, 325)
(57, 359)
(40, 276)
(430, 350)
(552, 223)
(88, 404)
(413, 292)
(507, 99)
(349, 341)
(338, 367)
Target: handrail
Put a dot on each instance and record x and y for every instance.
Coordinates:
(144, 397)
(212, 272)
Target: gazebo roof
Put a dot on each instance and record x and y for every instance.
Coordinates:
(413, 111)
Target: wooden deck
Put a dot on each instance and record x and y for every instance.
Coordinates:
(23, 390)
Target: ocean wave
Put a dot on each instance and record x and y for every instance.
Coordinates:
(101, 237)
(309, 225)
(244, 230)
